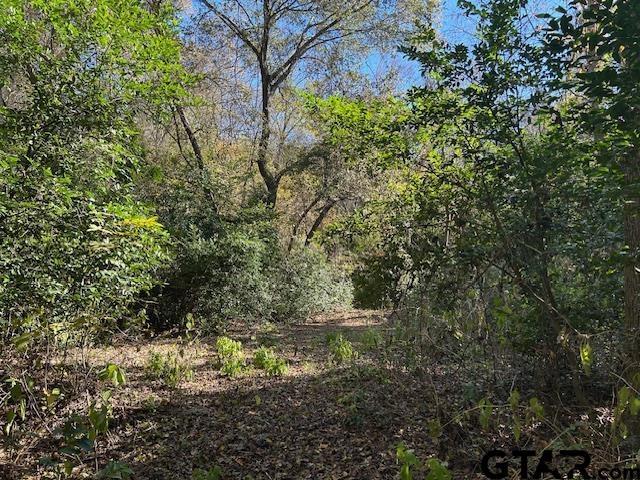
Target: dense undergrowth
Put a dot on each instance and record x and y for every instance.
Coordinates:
(491, 210)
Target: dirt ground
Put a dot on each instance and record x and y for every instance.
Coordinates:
(320, 420)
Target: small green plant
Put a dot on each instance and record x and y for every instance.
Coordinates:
(232, 367)
(266, 359)
(170, 368)
(355, 405)
(228, 348)
(408, 460)
(340, 349)
(155, 364)
(115, 470)
(114, 374)
(231, 356)
(371, 339)
(214, 473)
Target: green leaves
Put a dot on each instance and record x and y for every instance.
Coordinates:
(409, 462)
(114, 374)
(586, 357)
(116, 470)
(437, 471)
(76, 247)
(485, 409)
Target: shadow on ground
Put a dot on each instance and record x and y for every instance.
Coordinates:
(340, 423)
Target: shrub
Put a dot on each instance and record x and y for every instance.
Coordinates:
(308, 283)
(340, 349)
(265, 359)
(371, 339)
(105, 252)
(222, 269)
(230, 355)
(228, 348)
(235, 268)
(170, 368)
(77, 248)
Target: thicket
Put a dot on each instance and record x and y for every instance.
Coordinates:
(494, 207)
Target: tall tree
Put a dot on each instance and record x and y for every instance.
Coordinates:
(280, 35)
(599, 49)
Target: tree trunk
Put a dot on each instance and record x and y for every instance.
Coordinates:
(631, 215)
(195, 146)
(321, 216)
(270, 181)
(300, 220)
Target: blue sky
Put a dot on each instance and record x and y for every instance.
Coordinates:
(455, 28)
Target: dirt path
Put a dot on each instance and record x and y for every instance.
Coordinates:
(318, 421)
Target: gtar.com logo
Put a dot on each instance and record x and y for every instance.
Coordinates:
(498, 464)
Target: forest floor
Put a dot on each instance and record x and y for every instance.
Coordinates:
(318, 421)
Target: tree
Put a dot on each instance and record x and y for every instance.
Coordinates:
(597, 48)
(77, 248)
(280, 35)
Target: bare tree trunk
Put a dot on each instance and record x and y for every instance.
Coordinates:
(197, 151)
(195, 146)
(271, 182)
(319, 219)
(300, 220)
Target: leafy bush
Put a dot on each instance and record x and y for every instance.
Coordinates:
(340, 349)
(77, 248)
(230, 355)
(235, 268)
(170, 368)
(266, 359)
(371, 339)
(308, 283)
(85, 277)
(222, 268)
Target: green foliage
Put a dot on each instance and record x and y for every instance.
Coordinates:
(115, 470)
(485, 409)
(308, 283)
(231, 356)
(228, 348)
(340, 349)
(627, 407)
(364, 130)
(214, 473)
(114, 374)
(437, 471)
(232, 367)
(371, 339)
(236, 269)
(79, 435)
(77, 249)
(266, 359)
(586, 357)
(171, 368)
(408, 461)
